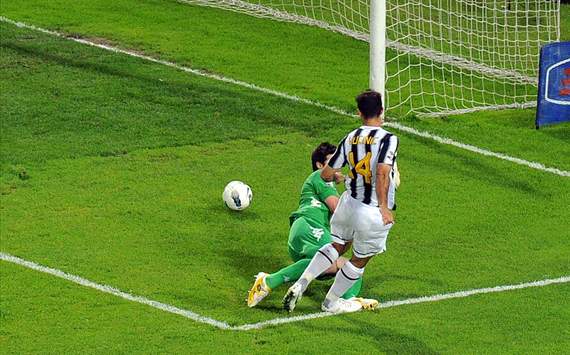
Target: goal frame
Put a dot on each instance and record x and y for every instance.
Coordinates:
(377, 42)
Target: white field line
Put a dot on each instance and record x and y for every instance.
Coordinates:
(398, 126)
(223, 325)
(113, 291)
(176, 66)
(435, 298)
(474, 149)
(461, 111)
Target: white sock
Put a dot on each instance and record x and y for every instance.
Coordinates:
(322, 260)
(344, 279)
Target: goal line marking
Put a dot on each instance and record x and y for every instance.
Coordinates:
(277, 321)
(424, 299)
(398, 126)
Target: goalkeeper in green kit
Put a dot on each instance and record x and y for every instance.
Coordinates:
(310, 230)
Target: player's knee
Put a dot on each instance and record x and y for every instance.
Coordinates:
(330, 252)
(359, 262)
(340, 248)
(332, 270)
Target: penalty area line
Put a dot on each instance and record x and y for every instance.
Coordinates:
(113, 291)
(398, 126)
(424, 299)
(273, 322)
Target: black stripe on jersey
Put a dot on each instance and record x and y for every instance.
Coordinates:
(336, 155)
(384, 145)
(368, 187)
(354, 150)
(396, 151)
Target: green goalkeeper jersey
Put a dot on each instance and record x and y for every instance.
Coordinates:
(312, 204)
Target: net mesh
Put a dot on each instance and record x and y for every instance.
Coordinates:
(443, 56)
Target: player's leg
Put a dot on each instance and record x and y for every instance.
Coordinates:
(287, 274)
(369, 240)
(265, 283)
(325, 256)
(346, 278)
(353, 291)
(299, 235)
(294, 271)
(295, 250)
(331, 272)
(307, 237)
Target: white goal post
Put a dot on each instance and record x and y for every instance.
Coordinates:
(433, 57)
(378, 46)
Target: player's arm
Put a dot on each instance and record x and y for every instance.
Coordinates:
(382, 186)
(331, 173)
(328, 173)
(327, 192)
(331, 170)
(337, 265)
(386, 160)
(331, 202)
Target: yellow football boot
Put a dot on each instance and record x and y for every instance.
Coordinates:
(368, 304)
(258, 291)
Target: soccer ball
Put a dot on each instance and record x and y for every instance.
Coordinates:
(237, 195)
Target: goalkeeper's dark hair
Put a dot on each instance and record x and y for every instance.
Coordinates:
(320, 154)
(370, 104)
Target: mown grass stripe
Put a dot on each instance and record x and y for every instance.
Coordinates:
(398, 126)
(277, 321)
(114, 291)
(424, 299)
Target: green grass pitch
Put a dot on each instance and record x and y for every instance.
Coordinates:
(112, 168)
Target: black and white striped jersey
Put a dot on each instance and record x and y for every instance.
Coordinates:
(362, 150)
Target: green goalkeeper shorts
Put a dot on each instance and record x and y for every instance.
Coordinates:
(305, 238)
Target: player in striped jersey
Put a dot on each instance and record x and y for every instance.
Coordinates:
(310, 230)
(363, 216)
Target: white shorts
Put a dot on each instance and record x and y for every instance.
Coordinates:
(354, 221)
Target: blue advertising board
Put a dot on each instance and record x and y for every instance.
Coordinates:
(554, 84)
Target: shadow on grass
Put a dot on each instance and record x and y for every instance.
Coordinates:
(245, 215)
(560, 131)
(264, 112)
(383, 296)
(383, 339)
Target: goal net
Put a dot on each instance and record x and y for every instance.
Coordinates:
(442, 56)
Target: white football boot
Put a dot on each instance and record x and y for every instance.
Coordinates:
(258, 291)
(341, 306)
(293, 295)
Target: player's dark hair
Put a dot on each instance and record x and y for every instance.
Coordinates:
(369, 104)
(320, 154)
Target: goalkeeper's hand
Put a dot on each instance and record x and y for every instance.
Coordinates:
(338, 177)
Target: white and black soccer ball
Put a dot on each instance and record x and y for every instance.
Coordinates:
(237, 195)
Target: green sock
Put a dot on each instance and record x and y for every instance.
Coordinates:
(354, 290)
(287, 274)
